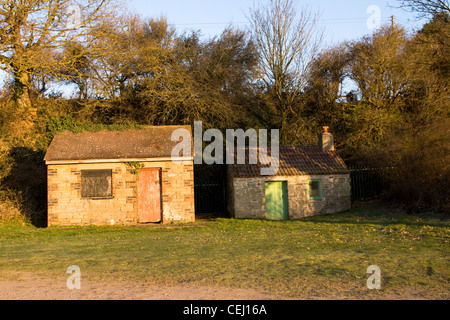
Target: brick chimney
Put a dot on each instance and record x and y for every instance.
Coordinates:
(326, 140)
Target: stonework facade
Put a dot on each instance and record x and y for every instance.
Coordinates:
(310, 180)
(124, 177)
(247, 195)
(67, 207)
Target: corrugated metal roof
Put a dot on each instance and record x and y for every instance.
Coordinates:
(297, 161)
(148, 143)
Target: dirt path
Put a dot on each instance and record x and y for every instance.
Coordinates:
(26, 286)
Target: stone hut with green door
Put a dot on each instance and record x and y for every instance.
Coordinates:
(310, 181)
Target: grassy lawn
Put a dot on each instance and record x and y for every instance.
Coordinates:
(319, 257)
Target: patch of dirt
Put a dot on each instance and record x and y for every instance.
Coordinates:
(27, 286)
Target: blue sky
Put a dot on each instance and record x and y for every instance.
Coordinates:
(341, 19)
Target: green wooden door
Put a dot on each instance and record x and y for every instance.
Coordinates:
(276, 201)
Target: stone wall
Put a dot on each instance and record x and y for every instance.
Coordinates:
(178, 193)
(247, 196)
(67, 207)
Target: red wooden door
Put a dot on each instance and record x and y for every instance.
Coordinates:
(149, 196)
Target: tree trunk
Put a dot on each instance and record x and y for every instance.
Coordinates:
(22, 97)
(284, 121)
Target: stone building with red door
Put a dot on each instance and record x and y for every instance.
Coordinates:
(119, 178)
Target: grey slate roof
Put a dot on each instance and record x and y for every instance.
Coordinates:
(148, 143)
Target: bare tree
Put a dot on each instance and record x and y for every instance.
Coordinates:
(286, 40)
(34, 33)
(426, 7)
(378, 66)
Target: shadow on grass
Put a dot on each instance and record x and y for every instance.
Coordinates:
(28, 180)
(376, 214)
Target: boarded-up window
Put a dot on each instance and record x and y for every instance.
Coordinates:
(96, 183)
